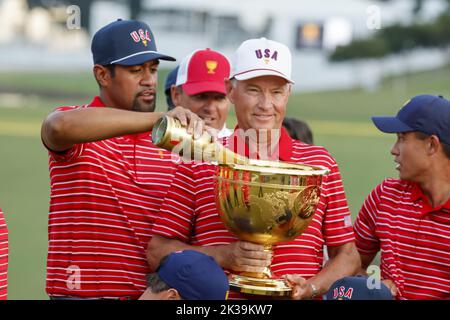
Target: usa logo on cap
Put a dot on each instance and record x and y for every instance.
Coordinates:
(267, 55)
(140, 35)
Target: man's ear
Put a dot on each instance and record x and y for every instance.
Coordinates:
(229, 87)
(102, 75)
(172, 294)
(433, 144)
(289, 89)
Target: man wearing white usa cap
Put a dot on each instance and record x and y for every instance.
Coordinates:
(269, 58)
(259, 88)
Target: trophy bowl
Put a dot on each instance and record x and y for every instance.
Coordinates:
(266, 202)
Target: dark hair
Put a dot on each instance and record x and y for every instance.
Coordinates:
(446, 148)
(168, 92)
(112, 69)
(422, 136)
(298, 129)
(170, 104)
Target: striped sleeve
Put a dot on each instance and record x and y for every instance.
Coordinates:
(337, 225)
(3, 258)
(367, 241)
(70, 154)
(177, 211)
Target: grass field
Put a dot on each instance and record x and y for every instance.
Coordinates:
(340, 121)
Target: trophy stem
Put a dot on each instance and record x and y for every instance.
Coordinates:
(267, 273)
(262, 283)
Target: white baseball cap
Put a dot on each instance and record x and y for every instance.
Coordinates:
(261, 57)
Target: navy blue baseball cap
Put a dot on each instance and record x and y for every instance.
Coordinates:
(425, 113)
(357, 288)
(170, 80)
(196, 276)
(125, 42)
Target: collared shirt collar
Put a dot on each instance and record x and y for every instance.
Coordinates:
(284, 144)
(96, 102)
(224, 132)
(417, 194)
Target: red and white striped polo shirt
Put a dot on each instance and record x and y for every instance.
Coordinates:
(104, 199)
(189, 211)
(413, 237)
(3, 258)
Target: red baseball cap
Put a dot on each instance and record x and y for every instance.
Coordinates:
(203, 71)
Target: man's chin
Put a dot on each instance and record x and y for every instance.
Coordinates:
(265, 129)
(213, 124)
(144, 107)
(149, 108)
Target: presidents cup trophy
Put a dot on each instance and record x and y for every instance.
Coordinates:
(263, 202)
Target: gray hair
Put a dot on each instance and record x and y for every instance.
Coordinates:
(156, 284)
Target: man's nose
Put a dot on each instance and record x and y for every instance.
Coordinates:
(394, 149)
(210, 104)
(266, 101)
(149, 78)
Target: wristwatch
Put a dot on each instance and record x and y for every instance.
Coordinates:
(315, 292)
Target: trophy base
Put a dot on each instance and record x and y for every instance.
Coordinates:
(257, 286)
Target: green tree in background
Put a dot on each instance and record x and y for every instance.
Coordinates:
(399, 38)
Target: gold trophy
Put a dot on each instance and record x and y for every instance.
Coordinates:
(263, 202)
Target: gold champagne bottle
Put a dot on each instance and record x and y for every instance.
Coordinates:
(169, 134)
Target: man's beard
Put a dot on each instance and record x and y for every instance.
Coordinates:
(139, 107)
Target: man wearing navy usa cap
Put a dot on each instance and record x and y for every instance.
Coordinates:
(187, 275)
(358, 288)
(408, 218)
(107, 178)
